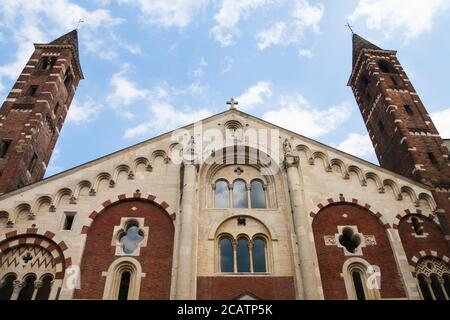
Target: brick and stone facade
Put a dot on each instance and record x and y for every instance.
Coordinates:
(296, 218)
(33, 114)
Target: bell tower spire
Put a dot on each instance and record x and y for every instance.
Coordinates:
(402, 132)
(33, 113)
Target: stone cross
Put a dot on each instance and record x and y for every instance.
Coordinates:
(232, 103)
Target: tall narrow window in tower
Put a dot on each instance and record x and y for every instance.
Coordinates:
(69, 217)
(43, 292)
(257, 195)
(381, 126)
(385, 66)
(408, 110)
(432, 158)
(46, 63)
(32, 91)
(226, 255)
(32, 163)
(358, 284)
(55, 111)
(243, 255)
(4, 146)
(68, 79)
(240, 195)
(259, 255)
(418, 229)
(364, 83)
(27, 291)
(6, 286)
(124, 286)
(221, 194)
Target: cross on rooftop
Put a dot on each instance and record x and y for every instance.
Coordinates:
(232, 103)
(80, 21)
(348, 25)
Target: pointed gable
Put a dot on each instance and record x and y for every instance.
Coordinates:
(360, 43)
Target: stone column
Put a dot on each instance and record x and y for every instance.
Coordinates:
(301, 225)
(37, 286)
(18, 285)
(186, 276)
(409, 283)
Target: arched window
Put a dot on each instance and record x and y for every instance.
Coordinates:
(226, 255)
(43, 292)
(437, 289)
(221, 194)
(240, 195)
(257, 195)
(447, 283)
(385, 66)
(424, 288)
(243, 255)
(259, 255)
(358, 285)
(418, 229)
(27, 291)
(6, 287)
(124, 286)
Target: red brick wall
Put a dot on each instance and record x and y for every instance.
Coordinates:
(227, 288)
(155, 258)
(332, 258)
(434, 241)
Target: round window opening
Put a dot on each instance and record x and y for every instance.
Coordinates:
(131, 238)
(349, 240)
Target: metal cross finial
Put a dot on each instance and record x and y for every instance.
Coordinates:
(80, 21)
(232, 103)
(350, 27)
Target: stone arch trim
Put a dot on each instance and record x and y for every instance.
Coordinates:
(342, 200)
(123, 197)
(213, 230)
(427, 253)
(414, 212)
(57, 247)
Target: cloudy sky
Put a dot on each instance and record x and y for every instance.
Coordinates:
(152, 66)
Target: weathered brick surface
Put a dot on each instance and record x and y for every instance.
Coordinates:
(434, 241)
(382, 98)
(33, 123)
(332, 258)
(155, 258)
(227, 288)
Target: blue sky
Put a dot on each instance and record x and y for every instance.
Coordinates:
(152, 66)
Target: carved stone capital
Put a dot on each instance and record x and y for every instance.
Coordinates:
(37, 284)
(18, 285)
(291, 161)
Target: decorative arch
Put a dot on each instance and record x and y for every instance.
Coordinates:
(342, 167)
(21, 209)
(391, 184)
(213, 231)
(82, 185)
(62, 193)
(41, 201)
(41, 238)
(305, 149)
(414, 212)
(123, 197)
(340, 200)
(322, 156)
(113, 278)
(425, 254)
(375, 178)
(119, 169)
(359, 173)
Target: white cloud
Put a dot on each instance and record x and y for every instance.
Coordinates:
(358, 145)
(412, 17)
(85, 112)
(165, 118)
(125, 91)
(298, 115)
(441, 120)
(35, 22)
(254, 96)
(228, 17)
(305, 53)
(303, 16)
(173, 13)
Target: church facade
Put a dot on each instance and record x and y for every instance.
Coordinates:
(231, 207)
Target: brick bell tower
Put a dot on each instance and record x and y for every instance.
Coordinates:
(32, 116)
(402, 132)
